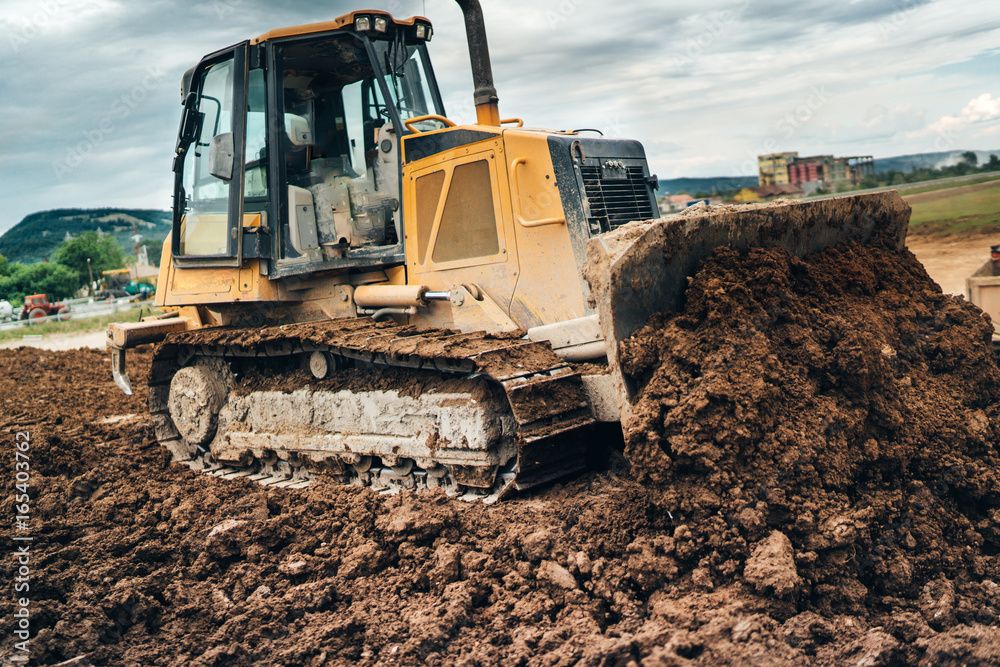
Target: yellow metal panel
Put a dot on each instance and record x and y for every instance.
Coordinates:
(549, 288)
(497, 274)
(538, 283)
(396, 275)
(163, 279)
(471, 314)
(200, 282)
(191, 286)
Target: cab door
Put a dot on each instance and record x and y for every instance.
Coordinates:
(459, 227)
(208, 184)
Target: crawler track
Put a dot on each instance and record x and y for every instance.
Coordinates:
(544, 396)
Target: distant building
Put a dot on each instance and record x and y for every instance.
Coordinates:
(674, 203)
(774, 168)
(813, 172)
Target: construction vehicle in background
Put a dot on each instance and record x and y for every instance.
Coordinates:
(982, 288)
(38, 306)
(359, 286)
(120, 283)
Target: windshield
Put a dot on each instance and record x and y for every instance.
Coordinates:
(337, 142)
(408, 77)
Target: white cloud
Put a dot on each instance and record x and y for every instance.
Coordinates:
(890, 71)
(982, 108)
(979, 110)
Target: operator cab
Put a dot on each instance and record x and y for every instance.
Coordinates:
(309, 175)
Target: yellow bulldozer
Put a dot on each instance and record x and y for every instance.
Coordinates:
(358, 286)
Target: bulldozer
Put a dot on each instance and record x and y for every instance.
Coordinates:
(357, 286)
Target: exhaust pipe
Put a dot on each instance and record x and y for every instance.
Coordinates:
(485, 95)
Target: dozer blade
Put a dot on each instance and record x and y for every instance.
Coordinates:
(643, 268)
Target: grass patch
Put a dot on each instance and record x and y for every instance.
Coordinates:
(82, 325)
(961, 214)
(933, 187)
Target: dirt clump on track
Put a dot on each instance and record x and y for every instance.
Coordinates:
(814, 484)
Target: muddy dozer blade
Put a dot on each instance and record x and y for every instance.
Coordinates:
(643, 268)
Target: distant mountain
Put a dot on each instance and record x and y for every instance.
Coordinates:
(928, 160)
(711, 185)
(39, 234)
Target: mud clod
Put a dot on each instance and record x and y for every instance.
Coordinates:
(771, 566)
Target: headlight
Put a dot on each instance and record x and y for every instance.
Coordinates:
(362, 23)
(421, 32)
(381, 24)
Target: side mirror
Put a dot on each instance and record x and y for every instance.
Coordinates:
(220, 156)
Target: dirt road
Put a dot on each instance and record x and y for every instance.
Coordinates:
(950, 260)
(71, 341)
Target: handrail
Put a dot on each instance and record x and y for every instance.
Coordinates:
(419, 119)
(517, 197)
(507, 121)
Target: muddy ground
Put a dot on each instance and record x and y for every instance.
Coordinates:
(815, 482)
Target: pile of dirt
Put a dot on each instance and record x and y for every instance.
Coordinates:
(818, 488)
(827, 430)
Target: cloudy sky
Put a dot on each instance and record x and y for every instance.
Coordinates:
(90, 102)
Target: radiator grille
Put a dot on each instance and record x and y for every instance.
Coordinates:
(615, 202)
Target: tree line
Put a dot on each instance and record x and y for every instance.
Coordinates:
(969, 164)
(67, 271)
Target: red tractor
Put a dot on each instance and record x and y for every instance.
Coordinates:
(38, 305)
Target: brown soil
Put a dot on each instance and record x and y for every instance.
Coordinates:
(828, 428)
(816, 444)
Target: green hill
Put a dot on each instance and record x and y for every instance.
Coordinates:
(39, 234)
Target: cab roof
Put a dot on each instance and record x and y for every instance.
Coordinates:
(336, 24)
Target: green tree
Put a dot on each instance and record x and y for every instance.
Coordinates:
(993, 164)
(5, 266)
(970, 158)
(42, 278)
(103, 252)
